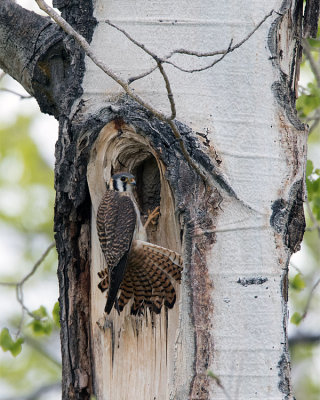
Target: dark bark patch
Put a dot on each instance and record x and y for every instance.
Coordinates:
(288, 217)
(285, 88)
(148, 185)
(196, 207)
(311, 18)
(284, 375)
(252, 281)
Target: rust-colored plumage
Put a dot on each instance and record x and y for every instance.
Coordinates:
(134, 267)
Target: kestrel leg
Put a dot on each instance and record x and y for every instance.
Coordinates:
(152, 216)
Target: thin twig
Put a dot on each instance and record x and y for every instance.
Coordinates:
(296, 268)
(205, 175)
(236, 46)
(190, 71)
(2, 75)
(37, 264)
(312, 217)
(19, 288)
(178, 136)
(314, 125)
(36, 345)
(142, 75)
(314, 67)
(169, 91)
(306, 309)
(303, 338)
(8, 283)
(134, 41)
(87, 49)
(37, 393)
(198, 54)
(22, 96)
(219, 383)
(159, 65)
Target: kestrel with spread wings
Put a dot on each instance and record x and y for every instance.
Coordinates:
(135, 268)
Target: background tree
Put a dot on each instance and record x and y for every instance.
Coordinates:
(304, 277)
(185, 164)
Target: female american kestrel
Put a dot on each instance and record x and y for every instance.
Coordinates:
(134, 267)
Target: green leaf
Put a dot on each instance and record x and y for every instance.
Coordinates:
(296, 318)
(297, 283)
(42, 323)
(41, 327)
(56, 314)
(309, 168)
(16, 347)
(7, 343)
(5, 339)
(41, 312)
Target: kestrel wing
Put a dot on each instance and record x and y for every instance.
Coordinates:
(116, 221)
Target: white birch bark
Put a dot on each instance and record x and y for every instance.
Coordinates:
(262, 154)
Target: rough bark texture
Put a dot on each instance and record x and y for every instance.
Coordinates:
(311, 18)
(51, 69)
(191, 204)
(26, 47)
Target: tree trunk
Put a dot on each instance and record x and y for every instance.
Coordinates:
(226, 336)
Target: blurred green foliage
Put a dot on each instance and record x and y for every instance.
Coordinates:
(304, 286)
(26, 214)
(26, 180)
(7, 343)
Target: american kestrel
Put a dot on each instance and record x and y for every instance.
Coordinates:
(134, 267)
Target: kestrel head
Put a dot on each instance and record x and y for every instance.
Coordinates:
(122, 182)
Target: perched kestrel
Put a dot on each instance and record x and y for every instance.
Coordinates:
(134, 267)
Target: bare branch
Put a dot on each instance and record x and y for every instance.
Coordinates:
(169, 92)
(142, 75)
(159, 65)
(37, 393)
(19, 288)
(87, 49)
(134, 41)
(312, 217)
(296, 267)
(314, 67)
(303, 338)
(190, 71)
(217, 52)
(219, 383)
(36, 345)
(22, 97)
(8, 283)
(306, 309)
(37, 264)
(198, 54)
(205, 175)
(178, 136)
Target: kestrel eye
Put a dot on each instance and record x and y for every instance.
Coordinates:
(123, 178)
